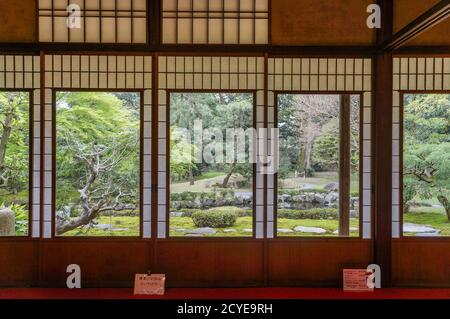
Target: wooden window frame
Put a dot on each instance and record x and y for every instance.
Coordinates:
(401, 171)
(341, 94)
(141, 164)
(30, 162)
(214, 238)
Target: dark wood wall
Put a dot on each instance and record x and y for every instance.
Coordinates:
(213, 262)
(18, 20)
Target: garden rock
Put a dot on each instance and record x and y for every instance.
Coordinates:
(248, 230)
(176, 214)
(414, 228)
(314, 230)
(229, 230)
(7, 222)
(202, 230)
(333, 187)
(193, 235)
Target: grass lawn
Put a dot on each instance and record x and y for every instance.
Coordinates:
(433, 219)
(246, 223)
(204, 182)
(319, 180)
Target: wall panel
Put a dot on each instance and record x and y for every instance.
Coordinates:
(320, 22)
(18, 21)
(315, 263)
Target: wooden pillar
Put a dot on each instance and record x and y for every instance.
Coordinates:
(344, 166)
(382, 165)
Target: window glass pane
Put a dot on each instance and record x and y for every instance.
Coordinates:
(97, 164)
(311, 129)
(211, 168)
(426, 165)
(14, 163)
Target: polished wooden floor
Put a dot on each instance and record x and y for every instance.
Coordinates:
(225, 293)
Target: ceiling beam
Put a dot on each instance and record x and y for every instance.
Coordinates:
(424, 22)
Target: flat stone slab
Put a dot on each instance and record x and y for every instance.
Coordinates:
(284, 230)
(313, 230)
(415, 228)
(248, 230)
(193, 235)
(202, 230)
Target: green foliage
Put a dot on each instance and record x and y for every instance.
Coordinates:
(214, 219)
(313, 213)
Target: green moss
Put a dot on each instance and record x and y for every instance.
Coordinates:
(129, 224)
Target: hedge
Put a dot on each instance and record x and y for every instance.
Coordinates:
(313, 213)
(214, 219)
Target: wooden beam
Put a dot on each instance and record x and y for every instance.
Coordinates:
(382, 160)
(424, 22)
(344, 166)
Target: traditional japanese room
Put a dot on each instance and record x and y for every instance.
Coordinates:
(225, 148)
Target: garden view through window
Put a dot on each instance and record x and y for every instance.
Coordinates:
(14, 162)
(211, 186)
(426, 165)
(97, 164)
(318, 175)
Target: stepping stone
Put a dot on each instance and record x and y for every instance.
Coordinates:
(248, 230)
(193, 235)
(313, 230)
(284, 230)
(119, 229)
(414, 228)
(202, 230)
(229, 230)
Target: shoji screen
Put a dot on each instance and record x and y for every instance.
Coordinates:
(206, 73)
(21, 72)
(325, 75)
(97, 73)
(413, 75)
(98, 21)
(215, 21)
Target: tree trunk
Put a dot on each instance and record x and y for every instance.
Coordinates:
(308, 155)
(227, 178)
(446, 203)
(5, 139)
(191, 176)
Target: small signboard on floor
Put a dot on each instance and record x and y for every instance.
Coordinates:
(356, 280)
(153, 284)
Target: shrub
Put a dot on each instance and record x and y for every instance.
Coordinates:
(314, 213)
(214, 219)
(240, 212)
